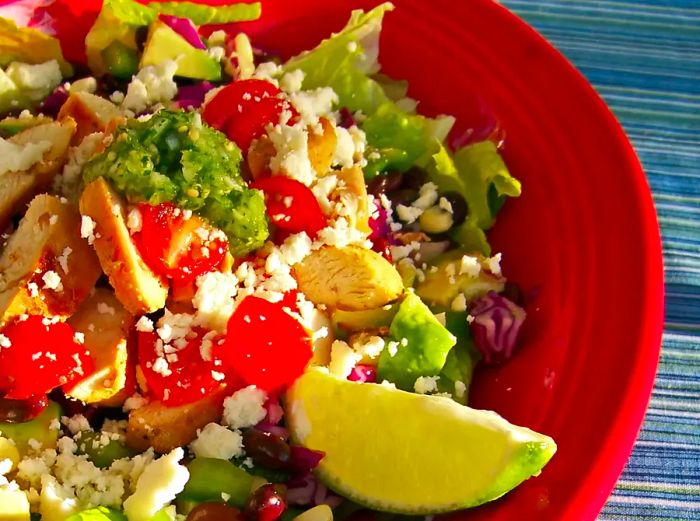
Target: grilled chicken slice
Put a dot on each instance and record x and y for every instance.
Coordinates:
(18, 188)
(350, 278)
(46, 268)
(136, 286)
(92, 113)
(105, 325)
(166, 428)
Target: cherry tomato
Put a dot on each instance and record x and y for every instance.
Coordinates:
(179, 376)
(265, 345)
(291, 205)
(178, 247)
(39, 357)
(244, 108)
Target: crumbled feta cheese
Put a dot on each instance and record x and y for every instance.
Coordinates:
(292, 153)
(134, 221)
(267, 71)
(19, 158)
(153, 84)
(216, 441)
(460, 389)
(4, 341)
(445, 205)
(408, 214)
(344, 154)
(105, 309)
(343, 359)
(427, 196)
(214, 299)
(33, 289)
(157, 486)
(68, 182)
(63, 258)
(144, 325)
(312, 104)
(392, 348)
(35, 80)
(52, 281)
(292, 81)
(88, 84)
(459, 303)
(76, 423)
(369, 347)
(134, 402)
(87, 229)
(245, 408)
(494, 264)
(426, 384)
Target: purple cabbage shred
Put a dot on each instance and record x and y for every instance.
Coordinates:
(495, 326)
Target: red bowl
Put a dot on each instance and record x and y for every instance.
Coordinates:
(583, 239)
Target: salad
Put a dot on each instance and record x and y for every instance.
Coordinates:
(237, 287)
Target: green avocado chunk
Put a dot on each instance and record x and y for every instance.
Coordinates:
(422, 345)
(210, 477)
(456, 374)
(11, 98)
(164, 44)
(173, 156)
(38, 429)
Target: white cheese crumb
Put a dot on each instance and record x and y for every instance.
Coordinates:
(216, 441)
(343, 359)
(134, 402)
(134, 221)
(460, 389)
(76, 423)
(144, 325)
(52, 281)
(245, 408)
(292, 154)
(4, 341)
(157, 486)
(63, 258)
(214, 299)
(33, 289)
(459, 303)
(105, 309)
(494, 264)
(426, 384)
(292, 81)
(153, 84)
(87, 229)
(19, 158)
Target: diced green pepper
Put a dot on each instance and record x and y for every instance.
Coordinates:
(210, 477)
(102, 455)
(121, 61)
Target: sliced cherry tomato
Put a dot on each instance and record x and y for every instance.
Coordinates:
(265, 345)
(179, 376)
(291, 205)
(178, 247)
(39, 357)
(244, 108)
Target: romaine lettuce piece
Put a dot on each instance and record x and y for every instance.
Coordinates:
(98, 514)
(423, 345)
(347, 62)
(201, 14)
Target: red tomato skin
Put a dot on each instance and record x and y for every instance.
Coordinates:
(244, 108)
(41, 357)
(265, 345)
(291, 205)
(190, 377)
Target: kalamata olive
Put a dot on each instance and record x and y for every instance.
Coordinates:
(18, 411)
(459, 207)
(265, 504)
(384, 183)
(214, 512)
(414, 178)
(403, 196)
(141, 36)
(267, 450)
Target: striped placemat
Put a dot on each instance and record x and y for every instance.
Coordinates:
(643, 57)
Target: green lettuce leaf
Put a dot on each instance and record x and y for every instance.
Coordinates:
(479, 174)
(423, 345)
(348, 63)
(206, 14)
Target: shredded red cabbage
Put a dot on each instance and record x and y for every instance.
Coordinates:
(304, 460)
(308, 491)
(363, 373)
(185, 28)
(495, 326)
(53, 102)
(192, 96)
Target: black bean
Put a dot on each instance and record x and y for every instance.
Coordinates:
(414, 178)
(384, 183)
(459, 207)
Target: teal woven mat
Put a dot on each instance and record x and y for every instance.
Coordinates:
(643, 57)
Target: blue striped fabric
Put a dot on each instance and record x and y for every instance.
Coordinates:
(643, 57)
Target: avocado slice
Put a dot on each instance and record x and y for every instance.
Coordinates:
(38, 429)
(11, 98)
(423, 344)
(165, 44)
(460, 361)
(439, 288)
(210, 477)
(14, 505)
(11, 126)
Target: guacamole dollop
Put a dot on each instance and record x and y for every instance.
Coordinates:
(173, 156)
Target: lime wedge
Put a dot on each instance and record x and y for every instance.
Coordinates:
(407, 453)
